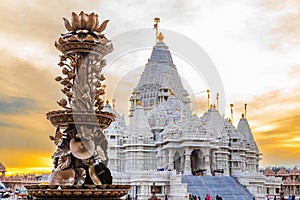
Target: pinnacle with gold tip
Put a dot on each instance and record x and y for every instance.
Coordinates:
(160, 37)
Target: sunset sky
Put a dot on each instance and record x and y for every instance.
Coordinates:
(254, 44)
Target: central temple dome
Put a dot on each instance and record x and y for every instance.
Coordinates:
(158, 79)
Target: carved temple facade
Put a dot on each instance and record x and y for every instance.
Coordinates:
(163, 137)
(163, 134)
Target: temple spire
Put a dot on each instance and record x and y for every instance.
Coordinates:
(208, 99)
(231, 111)
(156, 21)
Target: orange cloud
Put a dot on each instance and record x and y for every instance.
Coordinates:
(20, 161)
(274, 118)
(25, 142)
(286, 26)
(27, 92)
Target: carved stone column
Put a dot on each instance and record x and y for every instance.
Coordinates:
(187, 162)
(159, 160)
(171, 159)
(182, 163)
(165, 159)
(207, 161)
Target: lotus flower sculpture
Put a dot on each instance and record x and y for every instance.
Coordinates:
(83, 48)
(84, 23)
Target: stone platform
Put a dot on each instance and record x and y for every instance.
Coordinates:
(90, 192)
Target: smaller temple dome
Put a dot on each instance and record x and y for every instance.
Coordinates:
(295, 171)
(107, 107)
(245, 130)
(139, 127)
(282, 172)
(269, 172)
(172, 131)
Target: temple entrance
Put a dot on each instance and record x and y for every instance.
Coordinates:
(177, 162)
(197, 162)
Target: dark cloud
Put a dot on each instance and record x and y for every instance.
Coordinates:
(25, 140)
(5, 124)
(17, 105)
(25, 86)
(9, 125)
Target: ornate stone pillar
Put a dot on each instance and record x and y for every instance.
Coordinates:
(207, 161)
(159, 160)
(165, 160)
(182, 163)
(187, 162)
(171, 159)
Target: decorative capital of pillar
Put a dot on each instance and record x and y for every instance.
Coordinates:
(188, 152)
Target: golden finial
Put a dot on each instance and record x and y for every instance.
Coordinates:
(208, 98)
(139, 103)
(104, 87)
(243, 116)
(160, 37)
(171, 93)
(229, 120)
(114, 103)
(156, 21)
(107, 101)
(245, 110)
(174, 122)
(217, 98)
(231, 110)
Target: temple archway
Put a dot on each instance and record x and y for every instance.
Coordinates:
(197, 162)
(177, 162)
